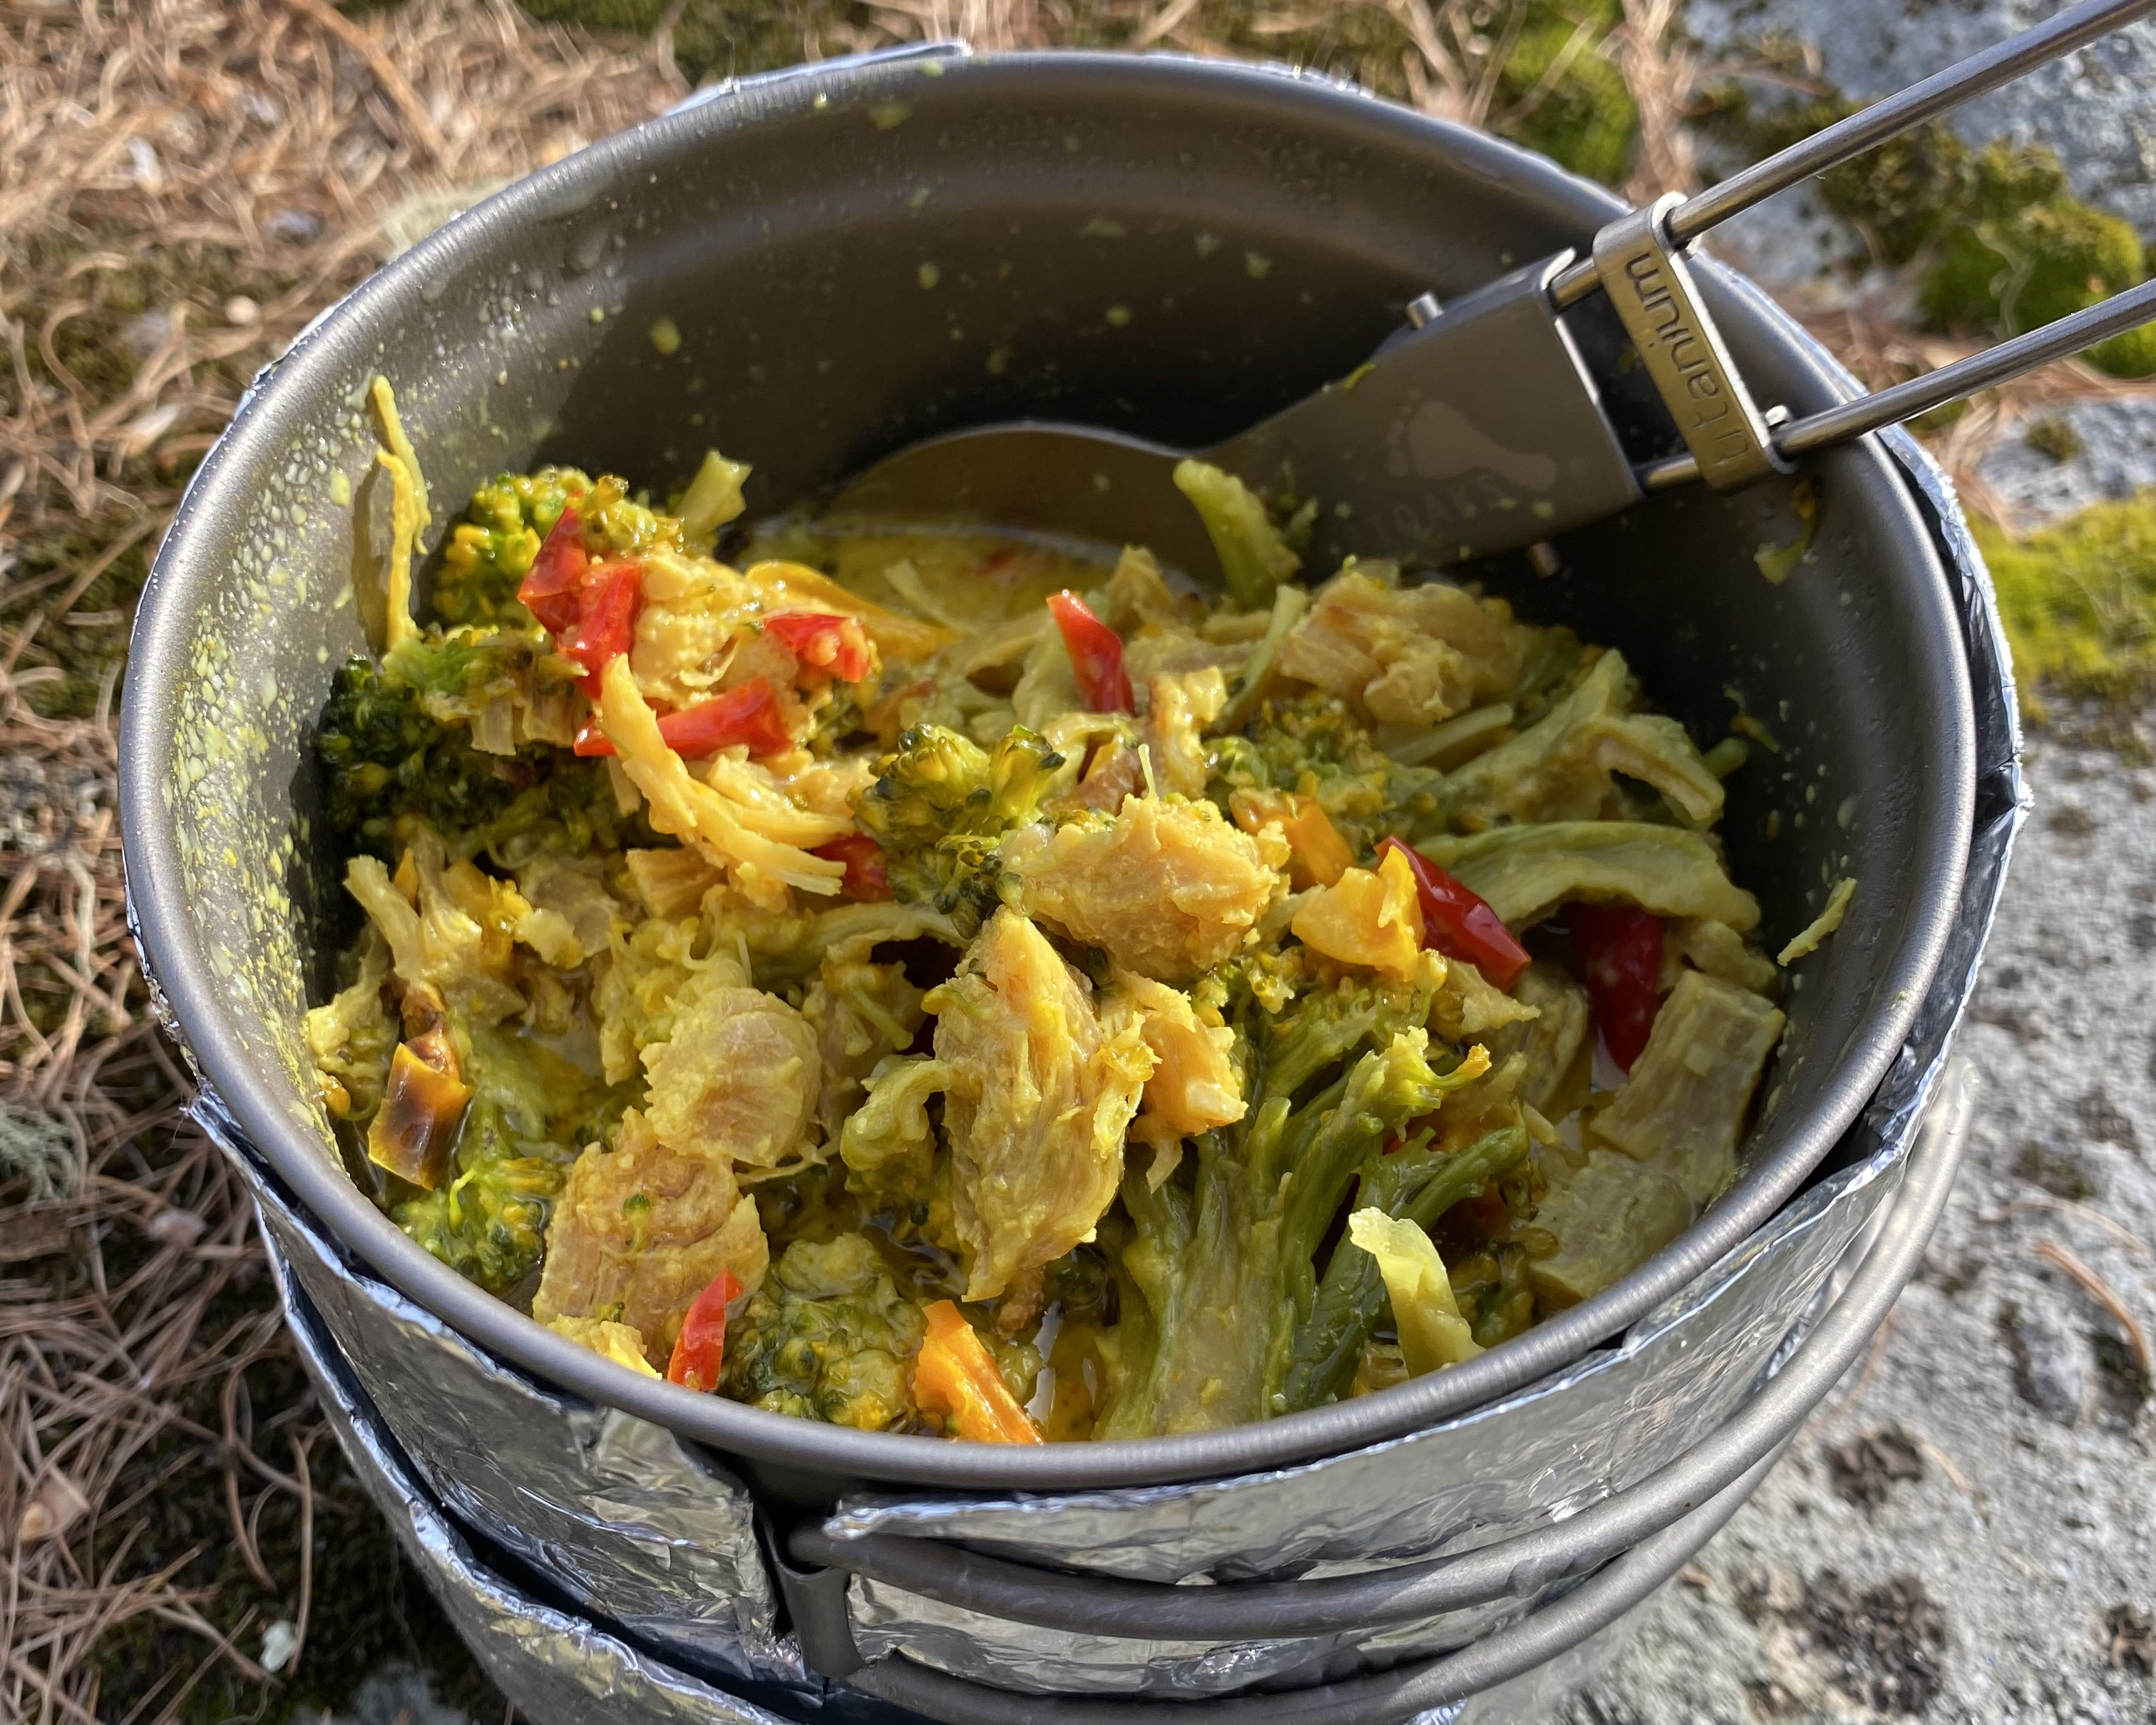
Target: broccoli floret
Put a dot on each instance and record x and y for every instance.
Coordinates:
(1312, 743)
(940, 807)
(529, 1113)
(1217, 1272)
(491, 549)
(1325, 1025)
(489, 1222)
(385, 756)
(888, 1142)
(828, 1336)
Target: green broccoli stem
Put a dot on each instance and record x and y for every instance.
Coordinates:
(1192, 1360)
(1419, 1185)
(1222, 1266)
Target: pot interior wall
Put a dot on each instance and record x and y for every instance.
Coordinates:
(1148, 245)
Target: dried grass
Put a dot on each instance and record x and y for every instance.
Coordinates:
(184, 183)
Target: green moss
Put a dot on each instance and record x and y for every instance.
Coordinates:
(1586, 118)
(2079, 602)
(2048, 435)
(2006, 247)
(2016, 267)
(1901, 195)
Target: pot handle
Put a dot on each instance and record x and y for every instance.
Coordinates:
(1233, 1611)
(1391, 1697)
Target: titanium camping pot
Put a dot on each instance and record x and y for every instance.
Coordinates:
(855, 254)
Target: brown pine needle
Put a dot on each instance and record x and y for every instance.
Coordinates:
(2099, 1291)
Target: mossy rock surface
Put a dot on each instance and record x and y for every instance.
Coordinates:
(2004, 244)
(2078, 598)
(2030, 266)
(1583, 116)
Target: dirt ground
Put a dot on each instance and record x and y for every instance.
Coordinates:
(184, 183)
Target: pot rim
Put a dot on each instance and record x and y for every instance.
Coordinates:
(174, 959)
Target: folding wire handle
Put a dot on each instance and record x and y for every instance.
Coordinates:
(1100, 1605)
(1639, 261)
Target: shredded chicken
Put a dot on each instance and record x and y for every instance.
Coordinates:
(739, 1078)
(1166, 889)
(1404, 655)
(451, 932)
(640, 1230)
(1040, 1096)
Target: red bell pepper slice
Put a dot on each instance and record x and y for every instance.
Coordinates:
(1619, 948)
(701, 1349)
(552, 587)
(1457, 923)
(823, 641)
(747, 714)
(605, 627)
(1096, 656)
(865, 878)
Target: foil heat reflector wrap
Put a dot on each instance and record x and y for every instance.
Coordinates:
(625, 1516)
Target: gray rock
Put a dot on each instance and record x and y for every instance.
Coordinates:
(2032, 1538)
(397, 1694)
(2097, 108)
(2118, 457)
(2053, 1368)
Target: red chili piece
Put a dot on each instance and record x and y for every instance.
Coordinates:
(551, 588)
(1096, 656)
(866, 879)
(823, 641)
(605, 627)
(701, 1349)
(1457, 923)
(1619, 948)
(748, 714)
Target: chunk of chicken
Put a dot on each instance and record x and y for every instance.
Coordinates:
(1405, 655)
(447, 926)
(739, 1078)
(640, 1230)
(573, 915)
(1683, 1110)
(671, 880)
(1039, 1097)
(861, 1013)
(1166, 889)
